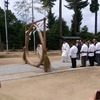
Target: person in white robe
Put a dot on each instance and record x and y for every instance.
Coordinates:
(39, 50)
(65, 51)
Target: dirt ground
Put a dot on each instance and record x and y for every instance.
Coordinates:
(70, 85)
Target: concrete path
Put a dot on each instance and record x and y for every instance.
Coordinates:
(15, 71)
(20, 68)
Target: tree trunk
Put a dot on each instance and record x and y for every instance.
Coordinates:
(0, 42)
(60, 21)
(96, 23)
(75, 20)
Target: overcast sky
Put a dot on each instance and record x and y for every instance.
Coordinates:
(88, 17)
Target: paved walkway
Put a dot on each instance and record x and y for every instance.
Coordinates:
(14, 71)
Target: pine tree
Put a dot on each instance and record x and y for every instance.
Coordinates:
(94, 7)
(49, 4)
(76, 6)
(51, 19)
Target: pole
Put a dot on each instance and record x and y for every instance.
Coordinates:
(60, 21)
(6, 28)
(75, 18)
(33, 21)
(32, 12)
(96, 23)
(44, 33)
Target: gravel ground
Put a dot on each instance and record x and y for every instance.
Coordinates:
(17, 71)
(20, 68)
(22, 82)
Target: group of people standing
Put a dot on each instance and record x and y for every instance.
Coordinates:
(86, 50)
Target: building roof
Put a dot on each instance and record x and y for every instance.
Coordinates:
(70, 37)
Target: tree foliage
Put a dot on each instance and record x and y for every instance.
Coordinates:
(94, 6)
(53, 36)
(2, 24)
(85, 35)
(76, 6)
(51, 19)
(14, 29)
(48, 3)
(78, 23)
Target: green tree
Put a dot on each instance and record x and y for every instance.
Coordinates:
(53, 36)
(98, 35)
(51, 19)
(2, 26)
(14, 29)
(49, 4)
(14, 34)
(94, 7)
(76, 6)
(85, 35)
(75, 26)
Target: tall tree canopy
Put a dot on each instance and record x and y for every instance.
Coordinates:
(48, 3)
(76, 6)
(51, 18)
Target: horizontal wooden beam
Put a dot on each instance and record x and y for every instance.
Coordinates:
(35, 22)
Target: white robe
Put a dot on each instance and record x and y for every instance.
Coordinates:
(65, 52)
(39, 51)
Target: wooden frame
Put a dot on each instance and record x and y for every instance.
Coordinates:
(42, 40)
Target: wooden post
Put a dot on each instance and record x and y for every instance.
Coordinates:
(0, 84)
(44, 33)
